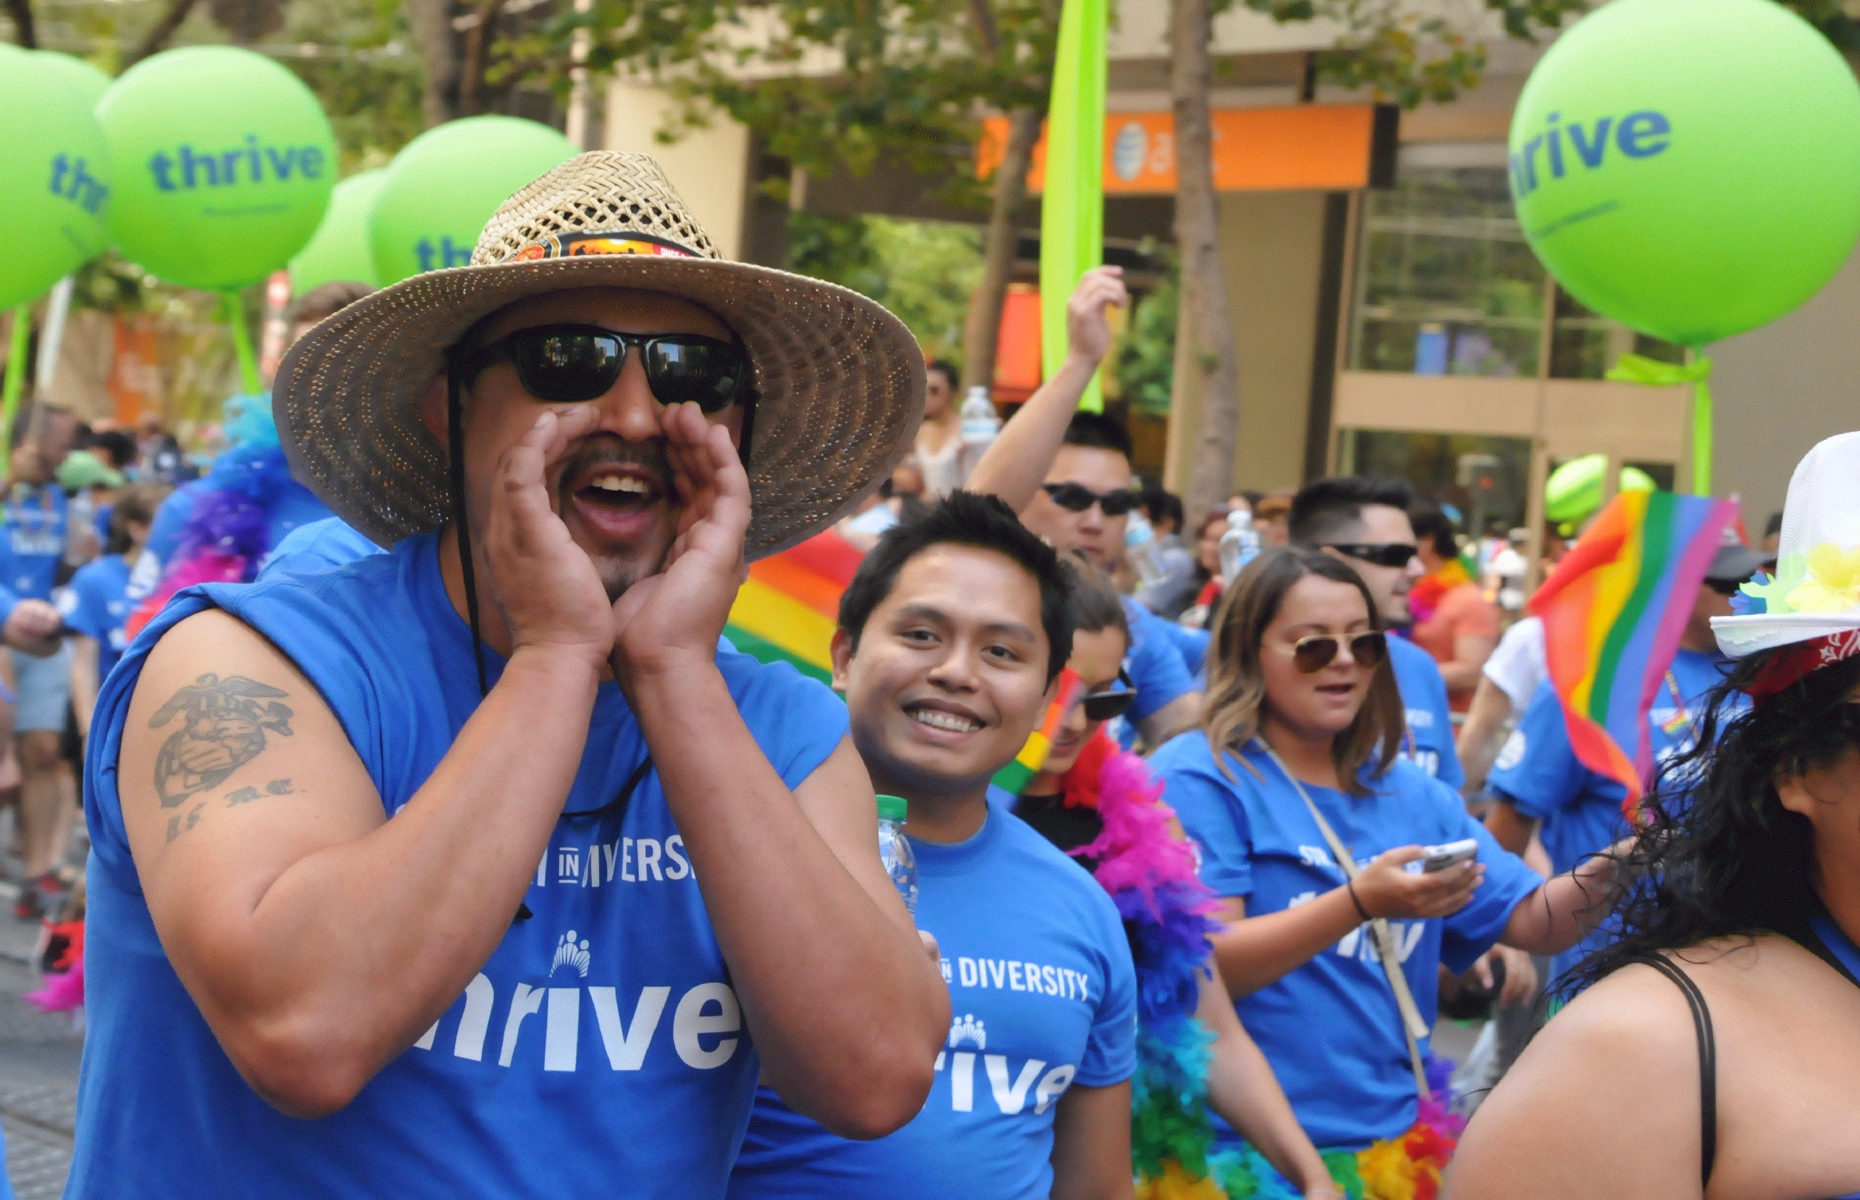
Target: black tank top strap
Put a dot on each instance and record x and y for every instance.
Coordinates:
(1708, 1061)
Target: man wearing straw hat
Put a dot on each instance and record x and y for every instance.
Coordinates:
(480, 853)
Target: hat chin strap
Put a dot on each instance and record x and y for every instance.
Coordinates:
(455, 453)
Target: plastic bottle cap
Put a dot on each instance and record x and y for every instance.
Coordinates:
(893, 808)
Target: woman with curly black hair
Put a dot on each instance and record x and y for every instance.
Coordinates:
(1716, 1050)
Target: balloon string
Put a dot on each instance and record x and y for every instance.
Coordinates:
(1701, 438)
(234, 313)
(15, 379)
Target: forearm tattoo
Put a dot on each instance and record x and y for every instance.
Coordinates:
(223, 728)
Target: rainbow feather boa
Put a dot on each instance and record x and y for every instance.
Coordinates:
(1168, 913)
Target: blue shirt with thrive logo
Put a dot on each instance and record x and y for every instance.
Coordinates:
(1044, 996)
(1330, 1028)
(96, 603)
(34, 540)
(600, 1047)
(1430, 722)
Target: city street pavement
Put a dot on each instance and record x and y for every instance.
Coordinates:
(38, 1069)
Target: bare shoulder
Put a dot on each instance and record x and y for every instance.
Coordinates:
(224, 744)
(1574, 1115)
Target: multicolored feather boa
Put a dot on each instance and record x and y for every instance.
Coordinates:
(228, 532)
(1168, 913)
(1431, 588)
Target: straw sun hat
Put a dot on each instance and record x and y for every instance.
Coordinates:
(838, 382)
(1812, 603)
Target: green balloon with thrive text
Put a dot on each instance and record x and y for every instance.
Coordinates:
(55, 185)
(1689, 167)
(445, 184)
(88, 78)
(224, 165)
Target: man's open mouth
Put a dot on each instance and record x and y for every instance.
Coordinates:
(626, 488)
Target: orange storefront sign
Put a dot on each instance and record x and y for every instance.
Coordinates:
(1320, 147)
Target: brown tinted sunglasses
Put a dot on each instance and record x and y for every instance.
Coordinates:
(1313, 654)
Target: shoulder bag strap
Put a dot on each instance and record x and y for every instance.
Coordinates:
(1412, 1025)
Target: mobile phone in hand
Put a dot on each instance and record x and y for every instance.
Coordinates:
(1439, 858)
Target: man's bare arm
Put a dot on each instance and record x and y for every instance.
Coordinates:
(1509, 827)
(1091, 1144)
(84, 681)
(319, 938)
(1479, 736)
(1177, 716)
(1014, 466)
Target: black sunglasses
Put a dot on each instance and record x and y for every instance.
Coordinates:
(1382, 554)
(1313, 654)
(566, 364)
(1076, 497)
(1106, 703)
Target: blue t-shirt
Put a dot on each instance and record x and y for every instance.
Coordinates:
(1156, 667)
(1430, 722)
(34, 540)
(1330, 1028)
(318, 546)
(1579, 809)
(1044, 996)
(96, 603)
(600, 1047)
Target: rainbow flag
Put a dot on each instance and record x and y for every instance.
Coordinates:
(1613, 612)
(1017, 774)
(787, 609)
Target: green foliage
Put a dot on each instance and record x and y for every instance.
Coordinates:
(924, 271)
(1146, 360)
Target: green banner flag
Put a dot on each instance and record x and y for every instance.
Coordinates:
(1072, 205)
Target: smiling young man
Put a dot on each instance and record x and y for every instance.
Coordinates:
(478, 855)
(951, 636)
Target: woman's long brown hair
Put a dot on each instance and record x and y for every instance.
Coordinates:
(1234, 706)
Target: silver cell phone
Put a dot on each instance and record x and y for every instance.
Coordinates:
(1439, 858)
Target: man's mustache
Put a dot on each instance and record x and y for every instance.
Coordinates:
(607, 450)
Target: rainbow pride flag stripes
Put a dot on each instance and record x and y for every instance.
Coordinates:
(1017, 774)
(1613, 612)
(787, 609)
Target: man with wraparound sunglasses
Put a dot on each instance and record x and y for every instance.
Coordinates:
(1068, 475)
(479, 853)
(1364, 521)
(1537, 784)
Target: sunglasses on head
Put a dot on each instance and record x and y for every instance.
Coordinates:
(1382, 554)
(1076, 497)
(1313, 654)
(1110, 701)
(566, 364)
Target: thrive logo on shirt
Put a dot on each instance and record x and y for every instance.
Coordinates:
(1043, 996)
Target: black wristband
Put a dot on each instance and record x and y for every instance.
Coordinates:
(1360, 910)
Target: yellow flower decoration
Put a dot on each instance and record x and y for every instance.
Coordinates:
(1833, 583)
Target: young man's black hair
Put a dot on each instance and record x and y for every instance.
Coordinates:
(947, 370)
(965, 519)
(1331, 510)
(1431, 524)
(1163, 506)
(1099, 432)
(1773, 526)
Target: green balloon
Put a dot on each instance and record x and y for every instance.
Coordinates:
(225, 165)
(1574, 490)
(339, 251)
(92, 81)
(1689, 167)
(446, 183)
(55, 180)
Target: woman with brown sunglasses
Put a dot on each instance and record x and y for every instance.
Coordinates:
(1296, 777)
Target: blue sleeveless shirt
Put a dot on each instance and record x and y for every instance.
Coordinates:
(600, 1049)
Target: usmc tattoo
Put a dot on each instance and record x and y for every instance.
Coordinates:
(222, 728)
(178, 825)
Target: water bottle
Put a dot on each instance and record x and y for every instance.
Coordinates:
(894, 849)
(1140, 550)
(1239, 545)
(980, 421)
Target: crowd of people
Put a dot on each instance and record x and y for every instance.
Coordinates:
(425, 790)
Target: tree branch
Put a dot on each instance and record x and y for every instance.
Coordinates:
(21, 12)
(162, 31)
